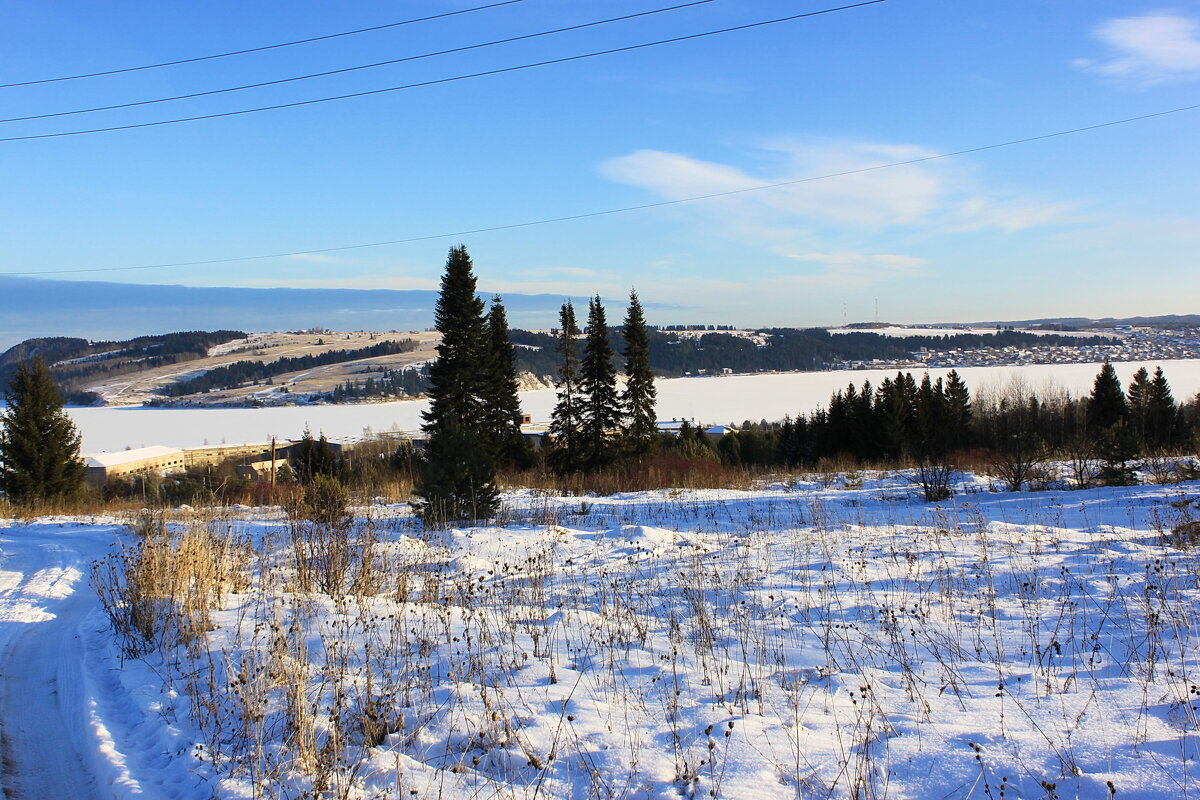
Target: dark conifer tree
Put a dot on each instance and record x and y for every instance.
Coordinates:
(39, 445)
(895, 407)
(601, 410)
(958, 398)
(312, 457)
(1137, 399)
(566, 422)
(1162, 413)
(457, 478)
(865, 432)
(840, 422)
(1106, 406)
(932, 434)
(502, 403)
(639, 396)
(794, 445)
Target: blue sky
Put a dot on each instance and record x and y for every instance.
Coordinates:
(1099, 223)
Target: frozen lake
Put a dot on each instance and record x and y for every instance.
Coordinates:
(724, 399)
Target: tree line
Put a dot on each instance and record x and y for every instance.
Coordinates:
(473, 425)
(241, 373)
(383, 384)
(785, 349)
(934, 425)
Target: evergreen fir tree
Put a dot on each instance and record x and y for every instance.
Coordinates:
(929, 440)
(1138, 402)
(457, 478)
(1161, 412)
(639, 395)
(601, 411)
(502, 403)
(958, 397)
(39, 445)
(932, 432)
(865, 430)
(1107, 406)
(565, 423)
(895, 407)
(314, 457)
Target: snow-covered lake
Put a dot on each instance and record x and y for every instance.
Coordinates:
(724, 399)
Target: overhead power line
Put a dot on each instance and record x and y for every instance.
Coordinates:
(625, 209)
(260, 49)
(343, 70)
(438, 81)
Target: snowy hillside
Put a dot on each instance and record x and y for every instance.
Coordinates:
(824, 638)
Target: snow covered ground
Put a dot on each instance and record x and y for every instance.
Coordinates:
(821, 637)
(711, 400)
(72, 724)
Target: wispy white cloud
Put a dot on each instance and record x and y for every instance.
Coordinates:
(564, 272)
(566, 288)
(332, 282)
(848, 269)
(1149, 49)
(859, 195)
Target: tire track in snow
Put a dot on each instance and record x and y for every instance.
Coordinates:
(41, 669)
(70, 728)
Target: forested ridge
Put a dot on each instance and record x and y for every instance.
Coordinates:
(786, 349)
(240, 373)
(74, 363)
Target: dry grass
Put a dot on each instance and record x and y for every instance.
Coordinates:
(660, 471)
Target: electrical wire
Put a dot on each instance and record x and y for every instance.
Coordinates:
(344, 70)
(626, 209)
(309, 40)
(439, 81)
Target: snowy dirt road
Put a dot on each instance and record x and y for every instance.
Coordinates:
(44, 597)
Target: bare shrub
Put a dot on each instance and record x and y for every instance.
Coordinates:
(160, 589)
(1162, 469)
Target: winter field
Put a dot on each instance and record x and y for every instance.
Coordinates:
(825, 636)
(709, 400)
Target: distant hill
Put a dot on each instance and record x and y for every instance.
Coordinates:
(1163, 321)
(76, 362)
(36, 308)
(674, 354)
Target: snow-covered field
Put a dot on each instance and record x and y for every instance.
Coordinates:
(713, 400)
(823, 637)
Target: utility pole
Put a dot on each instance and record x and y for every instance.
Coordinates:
(272, 463)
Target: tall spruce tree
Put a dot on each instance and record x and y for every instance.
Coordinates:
(313, 457)
(1137, 399)
(895, 407)
(598, 385)
(565, 423)
(1106, 406)
(502, 403)
(39, 444)
(959, 398)
(1161, 412)
(457, 478)
(639, 395)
